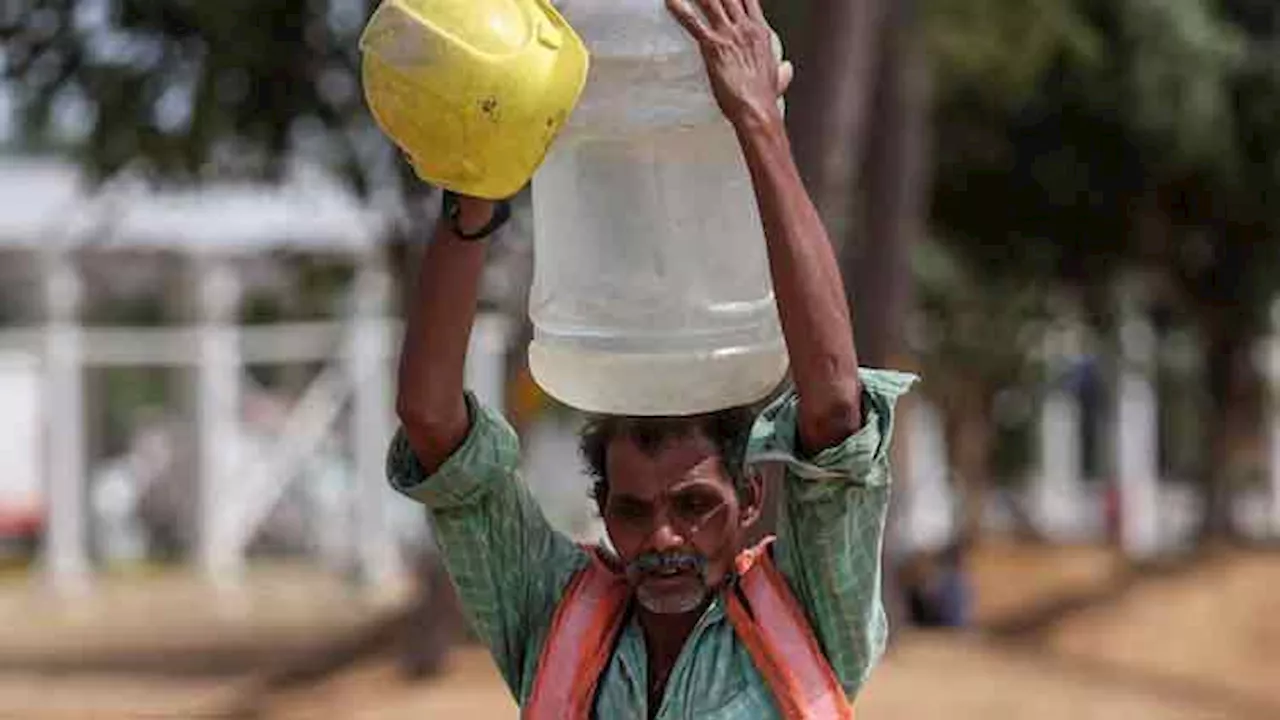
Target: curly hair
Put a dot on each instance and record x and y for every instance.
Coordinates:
(727, 430)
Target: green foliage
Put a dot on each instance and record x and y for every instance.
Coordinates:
(1154, 145)
(1163, 67)
(1002, 48)
(989, 324)
(1041, 167)
(1181, 59)
(977, 337)
(193, 87)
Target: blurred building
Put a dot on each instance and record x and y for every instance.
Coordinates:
(183, 389)
(128, 289)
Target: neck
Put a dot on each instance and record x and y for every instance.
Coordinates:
(666, 634)
(664, 637)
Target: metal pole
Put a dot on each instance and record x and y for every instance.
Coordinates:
(66, 555)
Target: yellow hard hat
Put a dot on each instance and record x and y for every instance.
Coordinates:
(473, 91)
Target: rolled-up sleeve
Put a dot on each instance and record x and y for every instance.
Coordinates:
(832, 520)
(488, 456)
(508, 563)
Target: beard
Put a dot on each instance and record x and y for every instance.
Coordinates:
(671, 584)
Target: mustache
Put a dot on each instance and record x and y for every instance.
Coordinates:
(657, 562)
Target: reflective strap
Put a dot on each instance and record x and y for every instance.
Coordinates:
(770, 623)
(578, 645)
(781, 643)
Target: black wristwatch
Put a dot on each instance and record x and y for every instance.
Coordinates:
(452, 210)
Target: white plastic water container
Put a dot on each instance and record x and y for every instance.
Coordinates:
(652, 294)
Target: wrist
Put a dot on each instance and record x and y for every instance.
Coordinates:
(474, 213)
(767, 126)
(471, 218)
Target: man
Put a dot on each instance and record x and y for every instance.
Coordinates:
(681, 622)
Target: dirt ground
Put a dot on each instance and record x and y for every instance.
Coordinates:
(1201, 644)
(1204, 643)
(926, 677)
(1012, 579)
(155, 643)
(1214, 632)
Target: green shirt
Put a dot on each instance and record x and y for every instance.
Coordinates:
(511, 567)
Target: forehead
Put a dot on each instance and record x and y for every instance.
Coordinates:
(644, 473)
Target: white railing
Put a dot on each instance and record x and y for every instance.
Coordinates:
(275, 344)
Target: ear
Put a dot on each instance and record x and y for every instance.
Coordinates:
(753, 502)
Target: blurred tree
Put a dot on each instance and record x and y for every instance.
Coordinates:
(985, 275)
(184, 91)
(1137, 135)
(896, 180)
(831, 101)
(877, 259)
(194, 89)
(977, 336)
(859, 124)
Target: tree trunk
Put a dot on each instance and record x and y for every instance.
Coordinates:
(1227, 368)
(878, 265)
(1230, 334)
(897, 175)
(834, 45)
(830, 102)
(969, 441)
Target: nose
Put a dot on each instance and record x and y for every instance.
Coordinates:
(666, 538)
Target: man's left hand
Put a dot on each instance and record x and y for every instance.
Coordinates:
(737, 44)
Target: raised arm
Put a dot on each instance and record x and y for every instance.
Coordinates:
(831, 524)
(736, 42)
(461, 460)
(430, 399)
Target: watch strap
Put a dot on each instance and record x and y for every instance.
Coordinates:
(452, 209)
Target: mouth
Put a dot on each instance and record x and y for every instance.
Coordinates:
(669, 577)
(669, 573)
(671, 591)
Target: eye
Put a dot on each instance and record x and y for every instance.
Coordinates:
(694, 505)
(628, 510)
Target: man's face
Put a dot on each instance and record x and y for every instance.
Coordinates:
(676, 520)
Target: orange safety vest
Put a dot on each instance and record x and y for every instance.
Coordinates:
(765, 615)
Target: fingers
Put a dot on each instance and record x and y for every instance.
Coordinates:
(690, 19)
(715, 12)
(716, 15)
(735, 9)
(786, 73)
